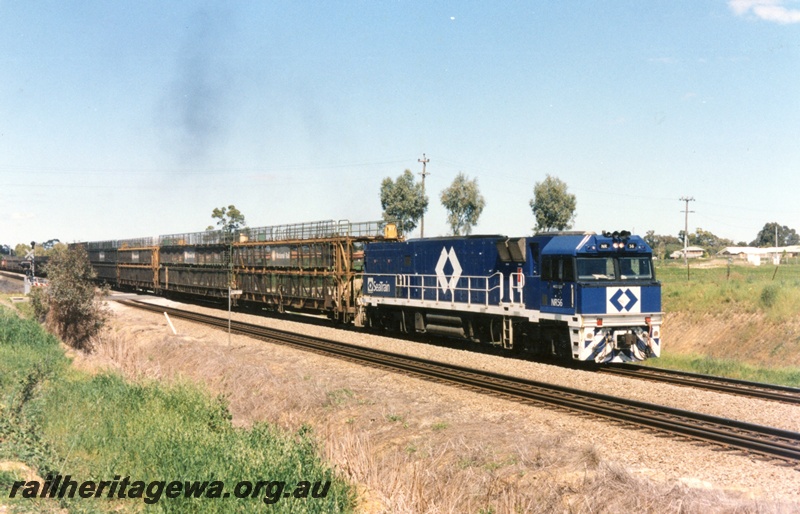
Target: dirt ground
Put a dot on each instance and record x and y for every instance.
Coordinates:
(746, 337)
(416, 446)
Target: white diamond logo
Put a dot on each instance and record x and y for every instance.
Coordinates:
(441, 278)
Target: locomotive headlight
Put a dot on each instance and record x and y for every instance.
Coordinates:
(588, 335)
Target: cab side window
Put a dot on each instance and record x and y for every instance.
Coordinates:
(567, 269)
(559, 269)
(547, 268)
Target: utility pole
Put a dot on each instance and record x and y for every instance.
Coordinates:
(424, 173)
(686, 232)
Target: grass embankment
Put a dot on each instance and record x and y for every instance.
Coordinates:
(740, 289)
(62, 421)
(715, 297)
(705, 365)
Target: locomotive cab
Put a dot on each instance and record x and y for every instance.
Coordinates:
(604, 287)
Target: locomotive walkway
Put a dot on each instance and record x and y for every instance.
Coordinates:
(758, 440)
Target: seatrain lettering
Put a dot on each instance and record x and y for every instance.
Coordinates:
(377, 287)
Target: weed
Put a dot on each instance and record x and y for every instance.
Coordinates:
(769, 295)
(467, 462)
(492, 466)
(7, 478)
(339, 397)
(439, 425)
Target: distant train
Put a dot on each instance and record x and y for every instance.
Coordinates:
(579, 296)
(17, 264)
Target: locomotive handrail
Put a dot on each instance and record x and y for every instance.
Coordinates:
(415, 286)
(516, 283)
(478, 289)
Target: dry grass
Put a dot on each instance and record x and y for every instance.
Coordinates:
(408, 448)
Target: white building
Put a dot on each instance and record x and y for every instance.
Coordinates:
(756, 256)
(692, 252)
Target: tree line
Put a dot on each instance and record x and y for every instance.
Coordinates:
(664, 245)
(404, 201)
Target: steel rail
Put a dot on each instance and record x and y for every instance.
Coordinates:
(757, 439)
(734, 386)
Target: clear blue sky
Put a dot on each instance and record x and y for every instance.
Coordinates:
(126, 119)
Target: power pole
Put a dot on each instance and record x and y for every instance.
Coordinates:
(424, 173)
(686, 233)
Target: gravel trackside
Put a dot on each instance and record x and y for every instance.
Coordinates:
(371, 420)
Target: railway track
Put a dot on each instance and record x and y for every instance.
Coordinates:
(758, 440)
(733, 386)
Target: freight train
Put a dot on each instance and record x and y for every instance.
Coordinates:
(15, 264)
(579, 296)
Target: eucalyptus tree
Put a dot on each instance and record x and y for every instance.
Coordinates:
(464, 204)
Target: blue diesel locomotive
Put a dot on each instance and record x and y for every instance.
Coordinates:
(578, 296)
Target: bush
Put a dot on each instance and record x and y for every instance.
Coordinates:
(39, 303)
(70, 306)
(769, 295)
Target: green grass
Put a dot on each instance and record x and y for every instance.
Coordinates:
(59, 420)
(740, 290)
(23, 307)
(727, 368)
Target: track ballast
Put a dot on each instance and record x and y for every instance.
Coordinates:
(736, 435)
